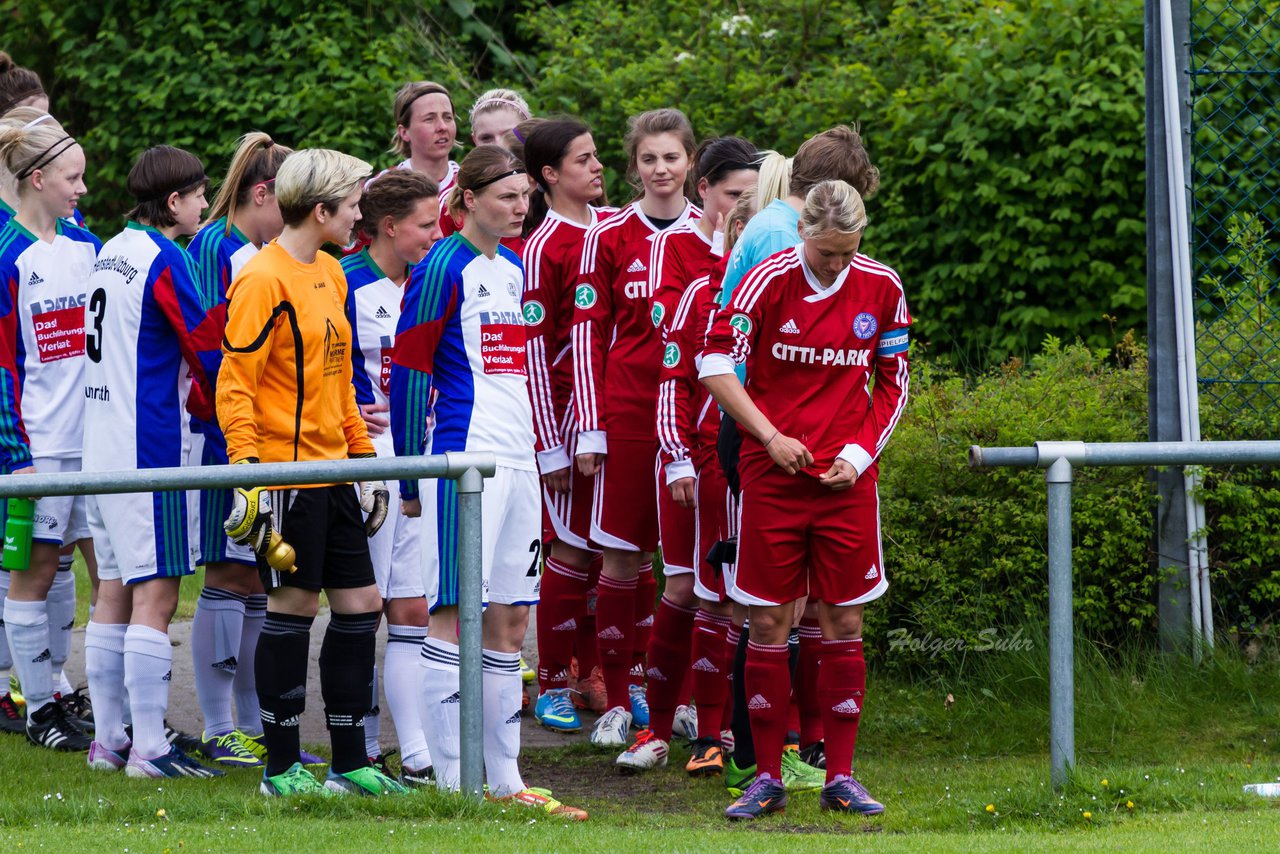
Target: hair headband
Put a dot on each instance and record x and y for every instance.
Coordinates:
(499, 102)
(19, 98)
(198, 178)
(495, 179)
(46, 157)
(42, 119)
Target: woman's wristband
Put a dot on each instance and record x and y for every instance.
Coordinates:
(771, 438)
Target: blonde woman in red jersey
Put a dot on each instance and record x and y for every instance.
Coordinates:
(815, 325)
(725, 168)
(560, 157)
(616, 356)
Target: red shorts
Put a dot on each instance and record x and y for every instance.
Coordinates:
(567, 518)
(795, 536)
(677, 525)
(624, 514)
(717, 509)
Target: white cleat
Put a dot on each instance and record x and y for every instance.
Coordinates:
(647, 753)
(611, 730)
(685, 723)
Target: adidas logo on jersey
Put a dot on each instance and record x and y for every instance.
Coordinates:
(872, 573)
(568, 625)
(610, 633)
(790, 328)
(34, 280)
(759, 702)
(382, 313)
(848, 707)
(226, 664)
(656, 674)
(637, 266)
(483, 292)
(705, 665)
(452, 699)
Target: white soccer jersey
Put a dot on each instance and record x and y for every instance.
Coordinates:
(462, 333)
(42, 295)
(146, 329)
(373, 307)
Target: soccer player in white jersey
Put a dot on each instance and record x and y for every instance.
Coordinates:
(461, 333)
(144, 330)
(400, 213)
(44, 264)
(233, 604)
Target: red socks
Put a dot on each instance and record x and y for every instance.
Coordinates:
(807, 682)
(668, 664)
(710, 675)
(842, 685)
(585, 645)
(767, 680)
(563, 599)
(615, 630)
(646, 593)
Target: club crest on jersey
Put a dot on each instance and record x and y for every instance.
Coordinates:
(864, 325)
(656, 314)
(534, 312)
(584, 296)
(742, 323)
(671, 356)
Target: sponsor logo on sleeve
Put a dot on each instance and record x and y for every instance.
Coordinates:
(534, 312)
(584, 296)
(742, 323)
(671, 356)
(656, 315)
(865, 325)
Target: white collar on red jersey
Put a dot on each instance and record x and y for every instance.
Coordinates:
(819, 292)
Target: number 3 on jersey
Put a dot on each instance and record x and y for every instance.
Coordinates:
(93, 332)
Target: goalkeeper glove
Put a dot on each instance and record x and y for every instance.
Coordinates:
(249, 524)
(374, 498)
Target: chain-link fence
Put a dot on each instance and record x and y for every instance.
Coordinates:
(1235, 190)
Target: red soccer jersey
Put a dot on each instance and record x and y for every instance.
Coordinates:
(688, 419)
(679, 255)
(616, 351)
(811, 354)
(552, 257)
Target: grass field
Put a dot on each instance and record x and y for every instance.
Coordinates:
(1163, 749)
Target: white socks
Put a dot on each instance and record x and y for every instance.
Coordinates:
(60, 605)
(215, 652)
(502, 722)
(104, 668)
(27, 625)
(440, 709)
(6, 660)
(403, 675)
(148, 666)
(245, 686)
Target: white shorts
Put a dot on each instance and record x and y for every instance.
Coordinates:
(394, 550)
(59, 520)
(511, 528)
(144, 535)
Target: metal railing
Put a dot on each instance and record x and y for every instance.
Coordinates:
(468, 469)
(1060, 459)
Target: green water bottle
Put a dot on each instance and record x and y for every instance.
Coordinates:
(17, 534)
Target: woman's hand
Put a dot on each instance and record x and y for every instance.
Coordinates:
(374, 421)
(589, 464)
(682, 491)
(411, 507)
(841, 475)
(789, 454)
(557, 481)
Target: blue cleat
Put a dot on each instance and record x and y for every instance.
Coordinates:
(845, 794)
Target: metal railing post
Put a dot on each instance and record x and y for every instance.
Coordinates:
(1062, 722)
(470, 644)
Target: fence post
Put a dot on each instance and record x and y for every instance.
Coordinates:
(1062, 723)
(470, 613)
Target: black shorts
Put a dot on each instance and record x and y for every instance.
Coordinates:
(325, 526)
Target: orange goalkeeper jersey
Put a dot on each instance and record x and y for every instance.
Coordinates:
(284, 392)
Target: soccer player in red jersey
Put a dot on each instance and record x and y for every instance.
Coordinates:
(616, 357)
(495, 113)
(814, 324)
(725, 168)
(560, 156)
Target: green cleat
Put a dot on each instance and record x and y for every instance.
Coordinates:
(296, 781)
(738, 780)
(797, 775)
(364, 781)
